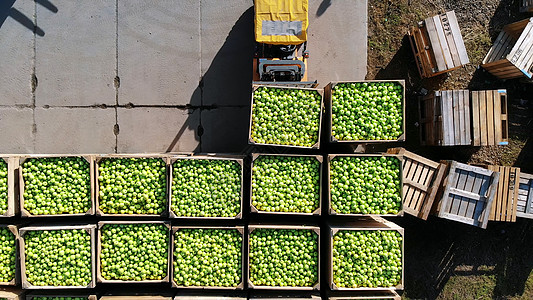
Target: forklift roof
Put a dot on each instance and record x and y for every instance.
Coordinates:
(281, 22)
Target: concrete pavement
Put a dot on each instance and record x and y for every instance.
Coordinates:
(135, 76)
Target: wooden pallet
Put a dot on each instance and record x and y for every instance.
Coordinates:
(511, 56)
(468, 194)
(421, 180)
(437, 45)
(445, 118)
(525, 196)
(526, 6)
(506, 199)
(489, 118)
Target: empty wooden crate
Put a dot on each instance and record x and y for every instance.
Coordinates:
(489, 118)
(438, 45)
(468, 194)
(421, 180)
(506, 200)
(511, 56)
(525, 196)
(445, 118)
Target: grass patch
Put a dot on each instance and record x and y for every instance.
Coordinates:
(469, 287)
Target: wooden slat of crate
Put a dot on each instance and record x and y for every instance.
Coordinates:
(447, 117)
(448, 35)
(501, 41)
(506, 47)
(521, 43)
(420, 45)
(421, 180)
(489, 111)
(444, 110)
(505, 203)
(489, 97)
(468, 194)
(456, 117)
(525, 47)
(431, 28)
(497, 109)
(475, 120)
(483, 118)
(468, 118)
(458, 38)
(525, 196)
(444, 47)
(527, 60)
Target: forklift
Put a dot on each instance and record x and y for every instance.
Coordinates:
(281, 54)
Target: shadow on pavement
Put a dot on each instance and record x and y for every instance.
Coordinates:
(7, 10)
(225, 91)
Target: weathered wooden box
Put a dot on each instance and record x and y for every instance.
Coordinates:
(332, 119)
(100, 185)
(438, 45)
(489, 118)
(275, 127)
(421, 181)
(460, 117)
(100, 268)
(253, 190)
(239, 229)
(331, 186)
(511, 55)
(25, 211)
(374, 223)
(445, 118)
(254, 227)
(172, 200)
(505, 202)
(525, 196)
(26, 284)
(468, 194)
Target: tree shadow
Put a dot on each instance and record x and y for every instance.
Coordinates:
(526, 155)
(7, 10)
(437, 249)
(514, 269)
(403, 65)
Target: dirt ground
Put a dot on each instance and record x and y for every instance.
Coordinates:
(448, 260)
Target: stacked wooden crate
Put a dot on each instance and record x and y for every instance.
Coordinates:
(449, 118)
(438, 45)
(511, 56)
